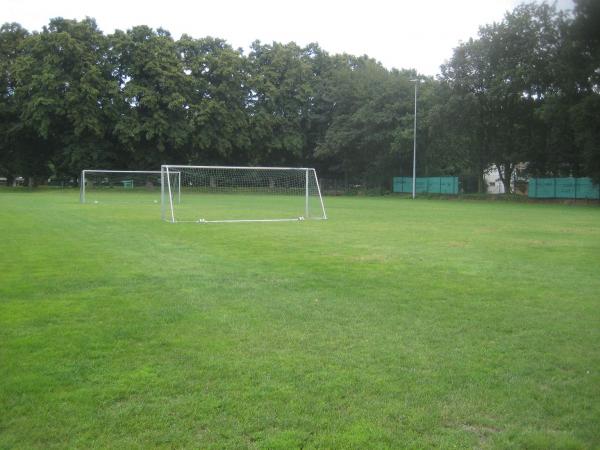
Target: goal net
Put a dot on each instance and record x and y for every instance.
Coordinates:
(123, 186)
(240, 194)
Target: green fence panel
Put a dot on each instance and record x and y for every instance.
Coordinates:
(402, 184)
(542, 188)
(546, 188)
(532, 188)
(431, 185)
(434, 185)
(563, 188)
(449, 185)
(584, 188)
(421, 185)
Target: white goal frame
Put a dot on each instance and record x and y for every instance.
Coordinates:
(82, 183)
(167, 195)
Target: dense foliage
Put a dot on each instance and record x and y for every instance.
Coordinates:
(526, 90)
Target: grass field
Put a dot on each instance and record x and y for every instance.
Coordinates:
(395, 324)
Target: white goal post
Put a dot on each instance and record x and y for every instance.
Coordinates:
(240, 194)
(101, 184)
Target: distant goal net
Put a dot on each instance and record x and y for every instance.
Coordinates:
(123, 186)
(240, 194)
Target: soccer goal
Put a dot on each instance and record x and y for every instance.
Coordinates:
(123, 186)
(240, 194)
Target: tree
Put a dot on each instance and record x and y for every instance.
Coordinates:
(370, 109)
(505, 76)
(280, 101)
(585, 112)
(64, 95)
(456, 136)
(152, 103)
(216, 102)
(11, 130)
(526, 90)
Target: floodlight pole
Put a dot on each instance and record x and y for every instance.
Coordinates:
(414, 177)
(82, 187)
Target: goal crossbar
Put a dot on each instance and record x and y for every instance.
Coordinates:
(118, 171)
(301, 169)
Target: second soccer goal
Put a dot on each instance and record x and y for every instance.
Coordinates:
(240, 194)
(122, 186)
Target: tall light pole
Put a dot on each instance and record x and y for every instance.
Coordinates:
(416, 81)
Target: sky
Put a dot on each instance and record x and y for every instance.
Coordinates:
(417, 34)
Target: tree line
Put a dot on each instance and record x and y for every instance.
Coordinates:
(526, 90)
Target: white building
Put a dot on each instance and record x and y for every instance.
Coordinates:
(494, 183)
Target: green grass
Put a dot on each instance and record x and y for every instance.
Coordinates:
(396, 323)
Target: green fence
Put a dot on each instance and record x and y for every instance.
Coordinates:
(428, 185)
(563, 188)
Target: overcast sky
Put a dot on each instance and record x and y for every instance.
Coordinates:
(403, 34)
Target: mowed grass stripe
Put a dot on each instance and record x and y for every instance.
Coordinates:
(394, 324)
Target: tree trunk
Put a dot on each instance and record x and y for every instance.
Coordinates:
(505, 171)
(480, 179)
(345, 180)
